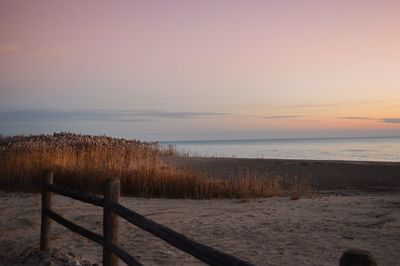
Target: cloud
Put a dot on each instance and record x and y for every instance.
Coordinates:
(382, 120)
(355, 118)
(282, 116)
(29, 116)
(169, 114)
(8, 48)
(312, 105)
(335, 104)
(390, 120)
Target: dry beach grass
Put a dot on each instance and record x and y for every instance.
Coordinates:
(83, 162)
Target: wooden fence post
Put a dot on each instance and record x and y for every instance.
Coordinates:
(47, 178)
(357, 257)
(110, 221)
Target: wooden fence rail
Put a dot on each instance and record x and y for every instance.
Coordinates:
(112, 252)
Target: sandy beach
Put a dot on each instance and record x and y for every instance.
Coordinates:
(322, 174)
(313, 230)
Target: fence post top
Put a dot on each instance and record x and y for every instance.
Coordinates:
(112, 180)
(47, 172)
(47, 177)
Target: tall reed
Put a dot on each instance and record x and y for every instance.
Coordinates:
(83, 162)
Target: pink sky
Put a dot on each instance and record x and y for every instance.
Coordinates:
(212, 69)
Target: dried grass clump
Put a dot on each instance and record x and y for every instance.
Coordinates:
(83, 162)
(299, 187)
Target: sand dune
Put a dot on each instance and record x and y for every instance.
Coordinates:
(273, 231)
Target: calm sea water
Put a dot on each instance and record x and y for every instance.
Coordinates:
(356, 149)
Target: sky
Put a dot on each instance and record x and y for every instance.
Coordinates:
(191, 70)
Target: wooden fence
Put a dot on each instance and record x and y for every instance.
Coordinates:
(111, 211)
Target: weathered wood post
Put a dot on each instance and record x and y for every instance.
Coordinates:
(47, 178)
(110, 221)
(355, 257)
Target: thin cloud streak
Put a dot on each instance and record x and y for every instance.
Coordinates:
(391, 120)
(100, 115)
(332, 104)
(282, 116)
(313, 105)
(382, 120)
(355, 118)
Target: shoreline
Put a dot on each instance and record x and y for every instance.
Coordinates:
(274, 139)
(295, 160)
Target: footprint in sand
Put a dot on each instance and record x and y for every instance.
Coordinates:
(23, 222)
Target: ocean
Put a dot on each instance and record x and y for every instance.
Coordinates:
(354, 149)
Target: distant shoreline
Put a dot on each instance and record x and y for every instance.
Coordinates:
(370, 149)
(272, 139)
(299, 160)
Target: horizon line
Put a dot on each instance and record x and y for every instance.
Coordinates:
(262, 139)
